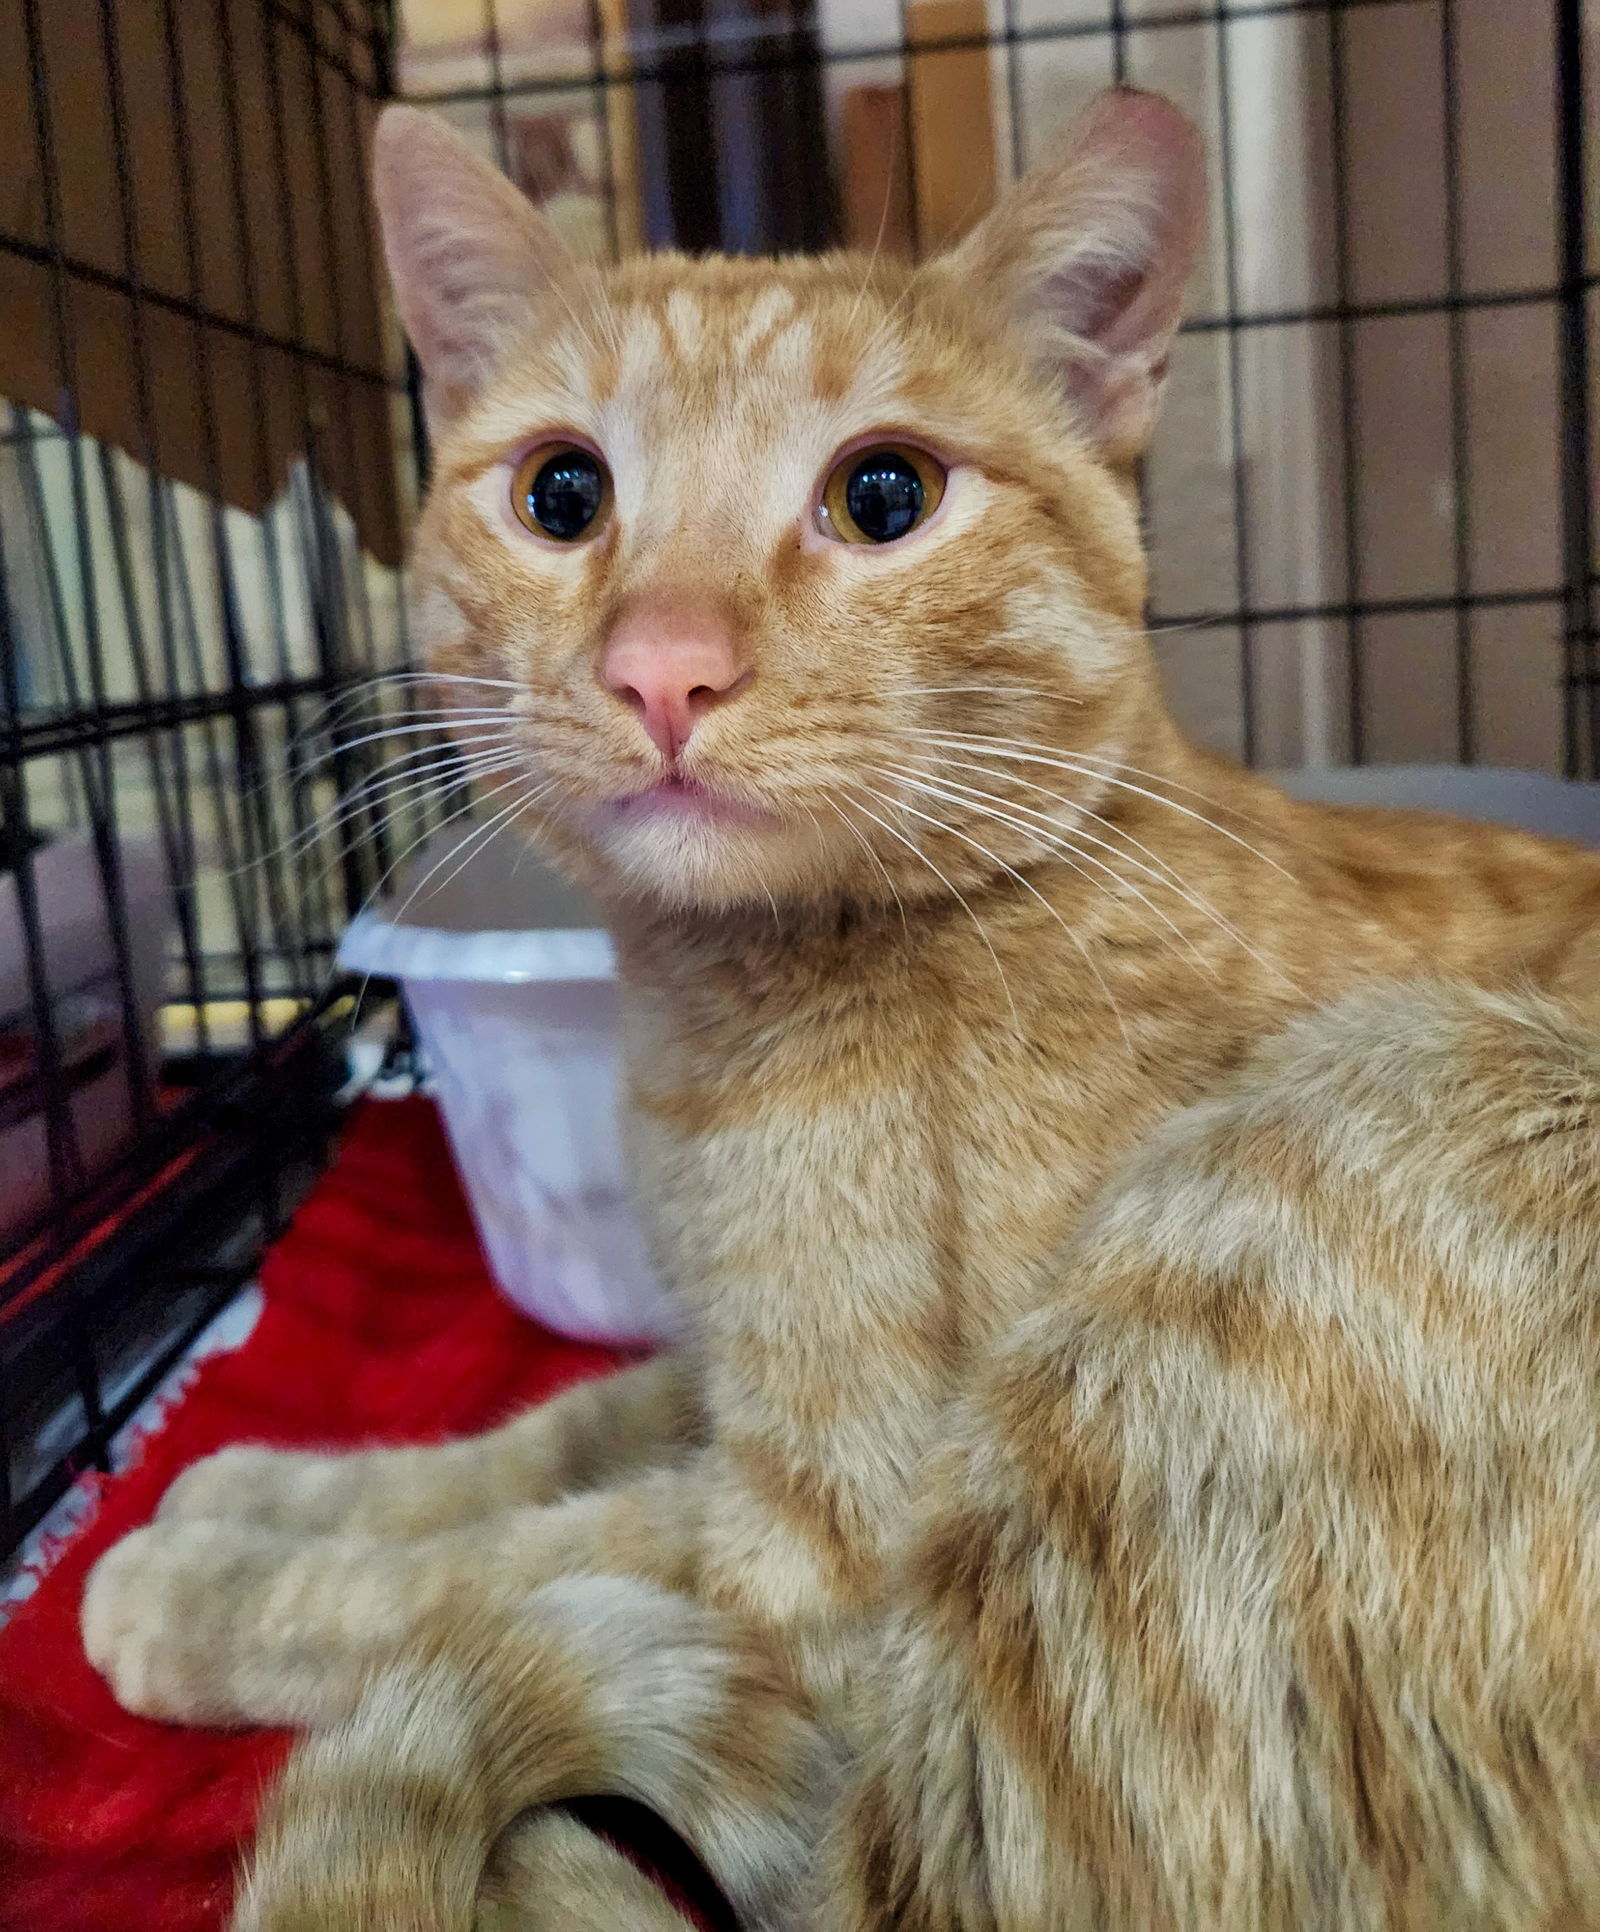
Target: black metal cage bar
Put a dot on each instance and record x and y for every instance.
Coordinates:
(1576, 289)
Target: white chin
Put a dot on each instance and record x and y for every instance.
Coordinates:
(691, 863)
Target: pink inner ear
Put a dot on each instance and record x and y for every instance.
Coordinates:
(1142, 192)
(1096, 245)
(1093, 304)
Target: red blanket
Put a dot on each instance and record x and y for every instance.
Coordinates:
(379, 1324)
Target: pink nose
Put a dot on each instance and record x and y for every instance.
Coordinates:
(672, 665)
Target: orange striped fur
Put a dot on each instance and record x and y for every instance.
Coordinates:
(1134, 1460)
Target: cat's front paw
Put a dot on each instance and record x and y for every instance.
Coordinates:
(166, 1609)
(391, 1494)
(276, 1489)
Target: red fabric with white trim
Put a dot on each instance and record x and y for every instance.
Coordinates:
(379, 1324)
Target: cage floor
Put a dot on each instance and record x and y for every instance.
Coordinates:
(378, 1324)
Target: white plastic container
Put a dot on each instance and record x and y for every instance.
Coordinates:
(513, 991)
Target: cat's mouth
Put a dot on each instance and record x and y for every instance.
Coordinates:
(687, 798)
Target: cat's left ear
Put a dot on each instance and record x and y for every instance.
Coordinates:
(1092, 251)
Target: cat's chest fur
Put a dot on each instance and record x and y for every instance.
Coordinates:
(775, 1066)
(852, 1126)
(858, 1145)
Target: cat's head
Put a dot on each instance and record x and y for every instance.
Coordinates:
(771, 561)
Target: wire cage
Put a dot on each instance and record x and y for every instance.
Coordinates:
(1370, 502)
(200, 527)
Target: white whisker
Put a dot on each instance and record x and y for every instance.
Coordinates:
(448, 677)
(421, 838)
(917, 853)
(1119, 763)
(464, 851)
(438, 756)
(1029, 886)
(388, 872)
(308, 753)
(989, 690)
(1193, 894)
(1172, 880)
(473, 745)
(1160, 873)
(1158, 869)
(374, 689)
(1056, 838)
(1017, 751)
(883, 223)
(866, 847)
(385, 809)
(472, 846)
(413, 730)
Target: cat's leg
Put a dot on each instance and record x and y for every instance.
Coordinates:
(550, 1873)
(1259, 1577)
(221, 1623)
(596, 1432)
(597, 1684)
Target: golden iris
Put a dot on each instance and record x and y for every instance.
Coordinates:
(879, 495)
(560, 492)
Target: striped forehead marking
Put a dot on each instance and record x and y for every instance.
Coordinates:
(683, 325)
(770, 308)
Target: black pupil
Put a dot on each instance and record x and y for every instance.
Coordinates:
(884, 496)
(565, 496)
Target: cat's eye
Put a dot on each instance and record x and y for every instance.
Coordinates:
(878, 495)
(560, 492)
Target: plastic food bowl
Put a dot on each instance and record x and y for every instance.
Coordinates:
(513, 990)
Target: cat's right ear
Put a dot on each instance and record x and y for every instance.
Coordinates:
(1091, 251)
(468, 253)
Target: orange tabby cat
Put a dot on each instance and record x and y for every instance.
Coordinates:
(1134, 1460)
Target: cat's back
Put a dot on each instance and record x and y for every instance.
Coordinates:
(1268, 1561)
(1481, 901)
